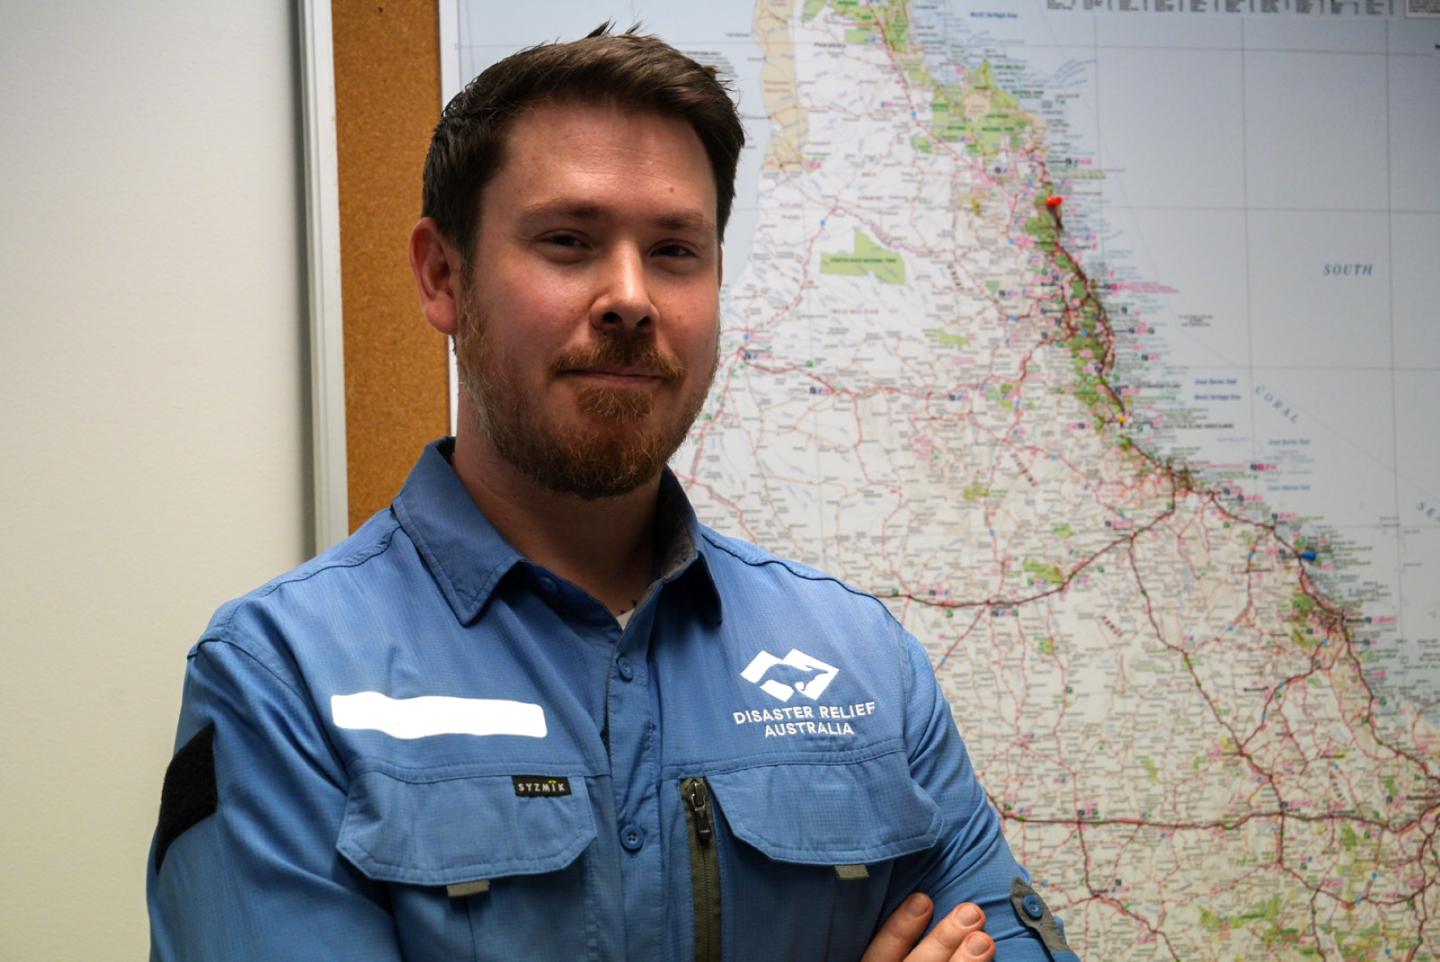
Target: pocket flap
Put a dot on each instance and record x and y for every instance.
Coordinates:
(829, 814)
(460, 829)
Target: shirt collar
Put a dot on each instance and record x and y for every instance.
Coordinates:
(681, 554)
(468, 558)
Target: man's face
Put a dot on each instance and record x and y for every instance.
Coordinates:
(589, 317)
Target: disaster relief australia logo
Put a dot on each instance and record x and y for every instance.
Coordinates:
(797, 674)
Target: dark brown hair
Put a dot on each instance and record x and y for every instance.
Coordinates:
(633, 72)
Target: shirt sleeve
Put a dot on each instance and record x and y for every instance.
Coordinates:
(972, 861)
(243, 865)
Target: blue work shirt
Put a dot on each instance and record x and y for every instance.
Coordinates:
(420, 745)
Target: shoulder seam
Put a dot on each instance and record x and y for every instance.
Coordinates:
(381, 545)
(302, 698)
(249, 656)
(712, 537)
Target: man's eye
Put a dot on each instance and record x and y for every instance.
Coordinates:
(675, 250)
(567, 241)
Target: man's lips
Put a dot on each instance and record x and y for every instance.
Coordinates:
(617, 375)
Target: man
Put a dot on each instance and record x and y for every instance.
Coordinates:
(535, 710)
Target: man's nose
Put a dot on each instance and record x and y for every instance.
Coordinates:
(623, 298)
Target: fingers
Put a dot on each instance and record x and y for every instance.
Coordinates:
(900, 931)
(957, 938)
(977, 947)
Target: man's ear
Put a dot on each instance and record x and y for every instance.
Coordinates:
(437, 266)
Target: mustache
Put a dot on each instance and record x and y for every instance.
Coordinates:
(621, 350)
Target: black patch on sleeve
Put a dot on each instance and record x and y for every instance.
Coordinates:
(189, 794)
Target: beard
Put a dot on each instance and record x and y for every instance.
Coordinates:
(615, 448)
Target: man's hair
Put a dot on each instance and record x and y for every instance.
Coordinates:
(629, 71)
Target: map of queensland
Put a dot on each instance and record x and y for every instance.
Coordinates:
(1101, 346)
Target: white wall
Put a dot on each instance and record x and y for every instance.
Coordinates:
(152, 416)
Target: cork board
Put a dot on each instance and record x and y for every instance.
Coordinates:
(387, 101)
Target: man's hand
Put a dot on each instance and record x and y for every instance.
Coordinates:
(956, 939)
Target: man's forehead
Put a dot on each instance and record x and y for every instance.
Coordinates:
(578, 131)
(580, 160)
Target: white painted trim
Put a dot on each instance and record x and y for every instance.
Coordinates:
(450, 84)
(322, 236)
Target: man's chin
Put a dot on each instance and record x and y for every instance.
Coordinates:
(597, 480)
(599, 458)
(615, 404)
(609, 444)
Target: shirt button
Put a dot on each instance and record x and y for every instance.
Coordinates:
(548, 585)
(632, 838)
(1033, 906)
(625, 670)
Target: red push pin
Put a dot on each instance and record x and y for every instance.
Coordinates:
(1052, 204)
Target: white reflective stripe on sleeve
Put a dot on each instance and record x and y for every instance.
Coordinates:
(436, 715)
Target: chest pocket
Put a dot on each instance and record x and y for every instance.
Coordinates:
(820, 840)
(475, 869)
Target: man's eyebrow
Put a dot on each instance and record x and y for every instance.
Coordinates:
(572, 209)
(686, 220)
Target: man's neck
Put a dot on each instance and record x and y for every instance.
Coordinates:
(604, 545)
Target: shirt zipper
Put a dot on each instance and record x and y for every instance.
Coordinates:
(704, 868)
